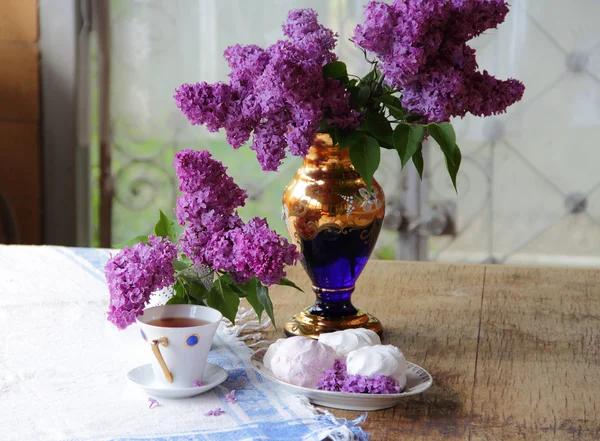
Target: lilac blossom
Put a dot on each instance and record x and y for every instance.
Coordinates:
(247, 63)
(205, 104)
(260, 252)
(334, 378)
(214, 235)
(276, 96)
(248, 250)
(198, 172)
(303, 28)
(133, 274)
(337, 108)
(337, 379)
(422, 47)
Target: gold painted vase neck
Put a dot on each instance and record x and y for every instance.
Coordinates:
(325, 161)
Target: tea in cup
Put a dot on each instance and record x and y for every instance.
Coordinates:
(179, 337)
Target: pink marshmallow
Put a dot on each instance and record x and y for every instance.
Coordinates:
(300, 360)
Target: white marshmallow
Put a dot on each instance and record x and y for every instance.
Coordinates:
(299, 360)
(271, 351)
(378, 360)
(344, 342)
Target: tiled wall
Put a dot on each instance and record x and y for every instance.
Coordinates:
(20, 160)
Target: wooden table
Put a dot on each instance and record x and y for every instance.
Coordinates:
(514, 352)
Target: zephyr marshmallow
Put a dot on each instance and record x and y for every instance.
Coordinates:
(271, 351)
(378, 360)
(343, 342)
(299, 360)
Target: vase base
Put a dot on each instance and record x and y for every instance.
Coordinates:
(306, 324)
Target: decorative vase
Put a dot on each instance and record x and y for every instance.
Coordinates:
(335, 221)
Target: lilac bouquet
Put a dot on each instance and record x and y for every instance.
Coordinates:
(244, 258)
(423, 73)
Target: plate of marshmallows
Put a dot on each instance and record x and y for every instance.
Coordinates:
(347, 369)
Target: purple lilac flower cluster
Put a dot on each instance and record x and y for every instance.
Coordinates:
(422, 44)
(134, 273)
(338, 380)
(214, 234)
(209, 195)
(276, 94)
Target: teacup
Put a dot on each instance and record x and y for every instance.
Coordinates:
(180, 337)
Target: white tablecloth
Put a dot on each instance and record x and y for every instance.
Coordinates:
(63, 367)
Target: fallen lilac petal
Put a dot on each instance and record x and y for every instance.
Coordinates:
(153, 403)
(215, 412)
(230, 397)
(198, 384)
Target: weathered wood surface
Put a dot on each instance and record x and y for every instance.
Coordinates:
(514, 352)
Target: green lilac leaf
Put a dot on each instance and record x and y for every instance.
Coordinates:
(166, 227)
(258, 308)
(180, 266)
(386, 143)
(353, 99)
(252, 297)
(237, 290)
(364, 93)
(368, 77)
(179, 289)
(262, 292)
(407, 140)
(248, 288)
(413, 117)
(179, 297)
(132, 242)
(454, 165)
(224, 299)
(176, 301)
(197, 291)
(345, 142)
(444, 135)
(389, 99)
(323, 126)
(418, 161)
(365, 156)
(226, 278)
(371, 76)
(393, 104)
(378, 126)
(401, 133)
(335, 134)
(288, 282)
(336, 70)
(396, 112)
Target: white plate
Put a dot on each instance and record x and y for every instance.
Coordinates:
(418, 380)
(143, 377)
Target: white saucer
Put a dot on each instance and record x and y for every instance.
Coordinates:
(418, 380)
(143, 377)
